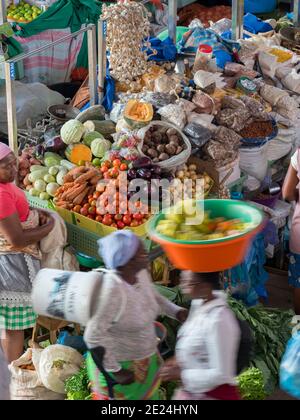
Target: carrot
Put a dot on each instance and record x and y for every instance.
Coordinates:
(80, 197)
(87, 176)
(71, 195)
(95, 179)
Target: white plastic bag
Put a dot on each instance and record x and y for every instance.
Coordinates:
(254, 161)
(174, 114)
(58, 363)
(282, 144)
(27, 384)
(174, 161)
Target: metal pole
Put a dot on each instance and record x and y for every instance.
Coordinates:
(92, 56)
(11, 108)
(296, 12)
(20, 57)
(101, 58)
(172, 21)
(3, 12)
(237, 19)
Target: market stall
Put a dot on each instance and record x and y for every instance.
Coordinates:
(212, 113)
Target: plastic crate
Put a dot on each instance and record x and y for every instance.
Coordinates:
(37, 202)
(85, 242)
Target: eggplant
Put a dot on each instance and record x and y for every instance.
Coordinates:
(142, 162)
(132, 174)
(144, 173)
(39, 151)
(156, 170)
(55, 144)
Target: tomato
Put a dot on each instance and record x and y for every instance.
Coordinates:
(123, 167)
(84, 211)
(86, 205)
(104, 169)
(138, 216)
(96, 195)
(90, 197)
(106, 163)
(114, 173)
(120, 224)
(106, 175)
(90, 216)
(99, 218)
(134, 223)
(117, 163)
(107, 220)
(92, 210)
(93, 203)
(114, 225)
(118, 217)
(127, 219)
(77, 208)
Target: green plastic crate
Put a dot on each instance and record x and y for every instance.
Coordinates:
(37, 202)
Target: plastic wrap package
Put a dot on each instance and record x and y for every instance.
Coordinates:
(221, 26)
(232, 102)
(290, 367)
(204, 103)
(255, 108)
(288, 108)
(254, 161)
(234, 119)
(173, 114)
(272, 94)
(224, 147)
(187, 106)
(158, 99)
(198, 134)
(282, 144)
(117, 112)
(238, 70)
(247, 281)
(203, 119)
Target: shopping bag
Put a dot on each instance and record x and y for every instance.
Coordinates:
(290, 368)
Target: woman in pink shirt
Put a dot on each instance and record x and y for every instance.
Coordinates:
(290, 192)
(21, 229)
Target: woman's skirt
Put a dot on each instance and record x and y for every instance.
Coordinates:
(145, 387)
(17, 271)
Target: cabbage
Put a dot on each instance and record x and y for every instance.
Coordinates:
(99, 147)
(52, 188)
(40, 185)
(52, 159)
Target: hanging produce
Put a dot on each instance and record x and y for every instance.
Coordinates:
(128, 26)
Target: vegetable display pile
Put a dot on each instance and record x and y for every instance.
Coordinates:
(192, 190)
(251, 384)
(272, 330)
(77, 386)
(177, 226)
(161, 143)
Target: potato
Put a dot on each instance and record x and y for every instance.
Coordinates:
(155, 160)
(163, 156)
(170, 149)
(152, 153)
(174, 139)
(161, 148)
(171, 132)
(145, 148)
(192, 167)
(179, 150)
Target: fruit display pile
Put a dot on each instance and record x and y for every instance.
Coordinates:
(179, 226)
(194, 189)
(23, 12)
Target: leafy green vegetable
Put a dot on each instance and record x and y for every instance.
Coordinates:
(77, 386)
(251, 384)
(272, 330)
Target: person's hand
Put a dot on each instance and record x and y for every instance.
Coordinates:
(124, 377)
(170, 371)
(43, 216)
(182, 315)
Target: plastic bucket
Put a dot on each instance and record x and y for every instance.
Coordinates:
(217, 254)
(66, 295)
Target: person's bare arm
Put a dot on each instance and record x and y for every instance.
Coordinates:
(289, 189)
(11, 229)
